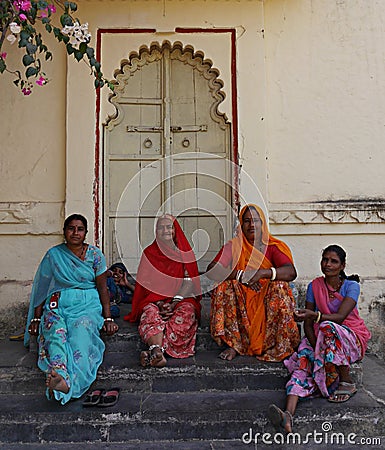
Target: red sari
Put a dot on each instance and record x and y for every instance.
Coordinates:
(160, 276)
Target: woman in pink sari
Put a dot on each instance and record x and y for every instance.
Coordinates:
(336, 337)
(167, 295)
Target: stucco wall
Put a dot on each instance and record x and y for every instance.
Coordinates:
(32, 178)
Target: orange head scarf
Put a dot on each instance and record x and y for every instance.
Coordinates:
(246, 256)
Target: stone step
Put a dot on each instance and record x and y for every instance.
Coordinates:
(202, 372)
(160, 417)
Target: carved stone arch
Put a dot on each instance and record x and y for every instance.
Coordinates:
(147, 55)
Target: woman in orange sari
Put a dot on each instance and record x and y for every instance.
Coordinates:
(252, 307)
(167, 295)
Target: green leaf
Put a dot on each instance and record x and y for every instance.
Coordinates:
(73, 6)
(96, 83)
(66, 19)
(78, 55)
(27, 60)
(48, 56)
(30, 72)
(70, 49)
(90, 53)
(31, 48)
(83, 47)
(97, 66)
(48, 27)
(3, 66)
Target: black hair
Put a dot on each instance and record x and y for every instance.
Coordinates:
(119, 265)
(342, 256)
(75, 217)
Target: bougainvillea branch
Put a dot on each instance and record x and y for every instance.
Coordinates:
(17, 24)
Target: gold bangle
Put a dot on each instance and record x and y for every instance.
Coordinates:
(319, 314)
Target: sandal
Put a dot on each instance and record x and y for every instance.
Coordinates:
(93, 397)
(346, 394)
(109, 397)
(280, 419)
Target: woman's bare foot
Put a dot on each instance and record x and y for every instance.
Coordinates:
(281, 419)
(228, 354)
(55, 382)
(157, 358)
(145, 357)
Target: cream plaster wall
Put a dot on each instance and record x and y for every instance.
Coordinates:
(32, 177)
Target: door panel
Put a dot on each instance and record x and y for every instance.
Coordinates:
(167, 149)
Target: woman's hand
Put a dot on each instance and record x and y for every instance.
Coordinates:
(166, 310)
(33, 328)
(251, 279)
(305, 314)
(110, 327)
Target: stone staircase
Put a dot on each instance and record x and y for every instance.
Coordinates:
(196, 403)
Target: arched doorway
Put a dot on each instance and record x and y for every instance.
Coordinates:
(167, 148)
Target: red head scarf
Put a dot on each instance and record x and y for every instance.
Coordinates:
(161, 271)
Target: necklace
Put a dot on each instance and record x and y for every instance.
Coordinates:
(82, 253)
(331, 292)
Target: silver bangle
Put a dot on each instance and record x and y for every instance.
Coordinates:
(109, 319)
(187, 278)
(273, 273)
(239, 275)
(177, 298)
(36, 319)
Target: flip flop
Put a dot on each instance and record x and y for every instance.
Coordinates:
(109, 397)
(93, 397)
(349, 393)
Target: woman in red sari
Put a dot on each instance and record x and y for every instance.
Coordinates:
(252, 310)
(167, 295)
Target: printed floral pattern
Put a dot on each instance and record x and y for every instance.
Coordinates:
(314, 372)
(230, 324)
(179, 331)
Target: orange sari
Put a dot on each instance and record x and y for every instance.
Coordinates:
(244, 328)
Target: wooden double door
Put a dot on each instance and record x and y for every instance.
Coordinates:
(167, 149)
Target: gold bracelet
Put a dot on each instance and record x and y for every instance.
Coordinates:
(319, 314)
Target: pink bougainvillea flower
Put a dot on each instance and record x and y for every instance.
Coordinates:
(26, 91)
(23, 16)
(3, 55)
(41, 81)
(52, 8)
(25, 5)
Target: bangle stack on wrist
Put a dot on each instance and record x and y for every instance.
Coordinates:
(109, 319)
(239, 275)
(178, 298)
(35, 319)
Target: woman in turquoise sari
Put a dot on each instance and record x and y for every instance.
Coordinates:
(69, 306)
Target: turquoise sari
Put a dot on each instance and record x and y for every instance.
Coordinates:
(69, 340)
